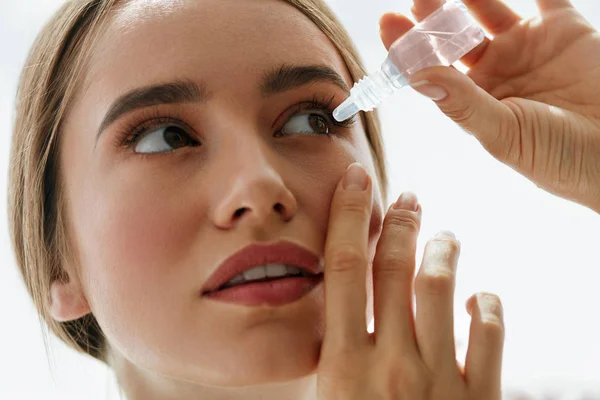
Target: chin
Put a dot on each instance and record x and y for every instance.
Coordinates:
(268, 364)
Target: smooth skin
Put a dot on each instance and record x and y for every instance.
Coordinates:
(532, 107)
(531, 96)
(407, 356)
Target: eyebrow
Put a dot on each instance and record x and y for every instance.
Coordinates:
(288, 77)
(278, 80)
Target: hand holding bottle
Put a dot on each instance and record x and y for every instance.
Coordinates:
(407, 356)
(531, 95)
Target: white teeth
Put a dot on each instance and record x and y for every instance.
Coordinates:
(255, 273)
(264, 271)
(239, 278)
(293, 270)
(276, 270)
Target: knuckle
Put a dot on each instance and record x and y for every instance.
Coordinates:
(505, 145)
(346, 257)
(403, 222)
(395, 267)
(437, 274)
(462, 114)
(392, 383)
(354, 207)
(440, 282)
(492, 315)
(493, 328)
(400, 380)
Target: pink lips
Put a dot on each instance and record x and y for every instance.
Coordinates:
(274, 293)
(259, 254)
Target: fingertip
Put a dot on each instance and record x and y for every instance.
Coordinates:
(489, 307)
(393, 17)
(407, 201)
(486, 345)
(413, 11)
(469, 304)
(392, 26)
(356, 178)
(419, 210)
(384, 18)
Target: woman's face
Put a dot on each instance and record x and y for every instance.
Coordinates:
(150, 228)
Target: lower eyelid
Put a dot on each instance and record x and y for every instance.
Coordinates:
(158, 122)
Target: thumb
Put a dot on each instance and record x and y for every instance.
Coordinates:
(491, 121)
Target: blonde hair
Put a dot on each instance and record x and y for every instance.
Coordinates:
(47, 87)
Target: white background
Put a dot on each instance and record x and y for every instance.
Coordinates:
(537, 251)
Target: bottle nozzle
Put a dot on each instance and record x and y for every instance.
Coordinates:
(368, 92)
(346, 110)
(442, 38)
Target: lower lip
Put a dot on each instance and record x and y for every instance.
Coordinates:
(273, 293)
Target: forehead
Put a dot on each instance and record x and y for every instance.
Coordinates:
(218, 41)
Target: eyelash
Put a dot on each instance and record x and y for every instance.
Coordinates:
(324, 105)
(130, 134)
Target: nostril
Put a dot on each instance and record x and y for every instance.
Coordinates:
(239, 212)
(279, 208)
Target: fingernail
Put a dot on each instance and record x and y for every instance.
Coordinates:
(427, 89)
(444, 235)
(355, 178)
(407, 201)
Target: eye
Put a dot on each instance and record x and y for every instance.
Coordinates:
(307, 123)
(164, 139)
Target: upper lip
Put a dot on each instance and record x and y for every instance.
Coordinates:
(255, 254)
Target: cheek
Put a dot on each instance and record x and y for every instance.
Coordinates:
(133, 243)
(140, 261)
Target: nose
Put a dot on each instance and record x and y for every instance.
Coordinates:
(256, 195)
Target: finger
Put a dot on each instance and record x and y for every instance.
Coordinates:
(547, 5)
(422, 8)
(483, 366)
(434, 288)
(393, 272)
(392, 26)
(346, 260)
(495, 16)
(492, 122)
(472, 57)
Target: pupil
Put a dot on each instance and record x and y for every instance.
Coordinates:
(174, 137)
(318, 124)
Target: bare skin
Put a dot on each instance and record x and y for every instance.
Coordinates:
(531, 95)
(166, 220)
(407, 356)
(538, 110)
(162, 222)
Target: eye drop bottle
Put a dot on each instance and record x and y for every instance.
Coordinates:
(442, 38)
